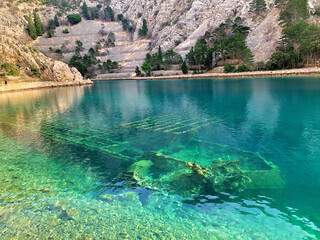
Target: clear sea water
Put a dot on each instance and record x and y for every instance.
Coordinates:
(105, 161)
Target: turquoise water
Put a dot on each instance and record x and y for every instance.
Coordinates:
(109, 161)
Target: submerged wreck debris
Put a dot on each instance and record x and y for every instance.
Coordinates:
(187, 178)
(196, 168)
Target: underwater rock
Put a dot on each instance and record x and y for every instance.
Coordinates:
(140, 170)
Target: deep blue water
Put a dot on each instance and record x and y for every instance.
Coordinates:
(109, 160)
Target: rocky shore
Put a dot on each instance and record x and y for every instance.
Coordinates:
(277, 73)
(16, 86)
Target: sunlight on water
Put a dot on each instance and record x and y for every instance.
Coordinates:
(185, 159)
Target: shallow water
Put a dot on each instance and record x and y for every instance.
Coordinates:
(108, 161)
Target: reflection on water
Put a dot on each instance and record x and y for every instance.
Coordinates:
(109, 160)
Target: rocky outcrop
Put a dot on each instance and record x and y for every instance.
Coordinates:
(264, 38)
(15, 48)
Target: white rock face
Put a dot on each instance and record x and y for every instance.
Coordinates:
(77, 77)
(184, 21)
(61, 72)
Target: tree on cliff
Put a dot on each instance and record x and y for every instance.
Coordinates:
(144, 30)
(31, 28)
(38, 24)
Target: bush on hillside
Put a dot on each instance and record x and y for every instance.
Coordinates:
(74, 18)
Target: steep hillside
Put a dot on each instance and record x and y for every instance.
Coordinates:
(18, 60)
(126, 52)
(172, 24)
(179, 23)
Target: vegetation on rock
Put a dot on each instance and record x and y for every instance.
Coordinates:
(225, 43)
(299, 45)
(8, 69)
(31, 28)
(144, 30)
(89, 64)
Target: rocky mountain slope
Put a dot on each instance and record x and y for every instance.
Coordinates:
(173, 24)
(126, 52)
(15, 51)
(179, 23)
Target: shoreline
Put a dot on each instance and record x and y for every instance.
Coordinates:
(275, 73)
(20, 86)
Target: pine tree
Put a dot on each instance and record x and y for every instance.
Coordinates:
(146, 68)
(184, 67)
(31, 28)
(109, 14)
(138, 72)
(160, 57)
(38, 24)
(85, 11)
(191, 58)
(50, 29)
(144, 30)
(56, 21)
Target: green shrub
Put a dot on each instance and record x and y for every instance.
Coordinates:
(58, 51)
(74, 18)
(243, 68)
(228, 68)
(65, 31)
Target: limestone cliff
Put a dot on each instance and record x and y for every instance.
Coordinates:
(179, 23)
(15, 47)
